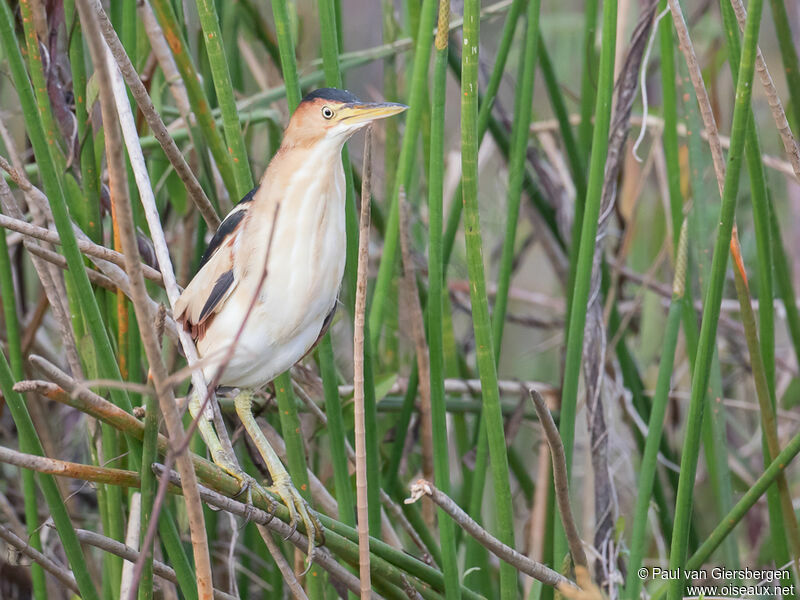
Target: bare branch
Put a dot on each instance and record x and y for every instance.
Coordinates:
(484, 538)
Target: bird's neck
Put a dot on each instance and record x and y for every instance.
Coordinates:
(300, 166)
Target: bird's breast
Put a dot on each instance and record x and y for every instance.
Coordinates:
(307, 257)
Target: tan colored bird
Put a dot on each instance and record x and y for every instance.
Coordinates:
(298, 208)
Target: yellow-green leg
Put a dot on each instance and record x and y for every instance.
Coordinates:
(221, 457)
(282, 485)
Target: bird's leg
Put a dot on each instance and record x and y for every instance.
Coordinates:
(282, 485)
(221, 456)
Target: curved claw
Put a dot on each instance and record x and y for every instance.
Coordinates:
(299, 510)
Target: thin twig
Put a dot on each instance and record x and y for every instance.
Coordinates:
(62, 468)
(408, 285)
(696, 76)
(130, 554)
(776, 107)
(24, 547)
(358, 374)
(560, 479)
(521, 562)
(58, 260)
(283, 565)
(89, 248)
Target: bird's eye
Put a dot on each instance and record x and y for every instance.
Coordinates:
(327, 112)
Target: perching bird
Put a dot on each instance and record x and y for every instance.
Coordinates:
(295, 220)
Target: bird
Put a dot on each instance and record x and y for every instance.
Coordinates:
(267, 285)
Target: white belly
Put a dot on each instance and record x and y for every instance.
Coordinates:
(306, 264)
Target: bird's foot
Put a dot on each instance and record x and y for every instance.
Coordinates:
(299, 510)
(247, 484)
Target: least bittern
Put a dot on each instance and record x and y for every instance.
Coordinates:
(302, 246)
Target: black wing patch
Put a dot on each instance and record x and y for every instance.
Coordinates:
(224, 281)
(227, 226)
(225, 229)
(249, 195)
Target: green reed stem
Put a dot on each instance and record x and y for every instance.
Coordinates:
(480, 304)
(783, 282)
(29, 443)
(574, 156)
(655, 427)
(435, 304)
(336, 435)
(669, 107)
(90, 181)
(766, 358)
(590, 81)
(583, 271)
(15, 354)
(498, 69)
(739, 510)
(148, 490)
(196, 94)
(791, 64)
(408, 152)
(516, 170)
(283, 31)
(227, 103)
(769, 426)
(296, 462)
(711, 306)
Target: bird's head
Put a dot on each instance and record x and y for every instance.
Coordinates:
(333, 115)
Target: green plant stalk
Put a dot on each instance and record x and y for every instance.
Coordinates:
(585, 141)
(791, 65)
(113, 496)
(230, 20)
(589, 85)
(768, 424)
(401, 430)
(701, 218)
(476, 554)
(669, 108)
(296, 459)
(649, 464)
(585, 256)
(478, 298)
(516, 170)
(90, 181)
(196, 94)
(39, 82)
(224, 89)
(711, 306)
(419, 83)
(574, 156)
(783, 280)
(15, 356)
(781, 529)
(336, 433)
(435, 304)
(283, 31)
(29, 443)
(148, 490)
(739, 510)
